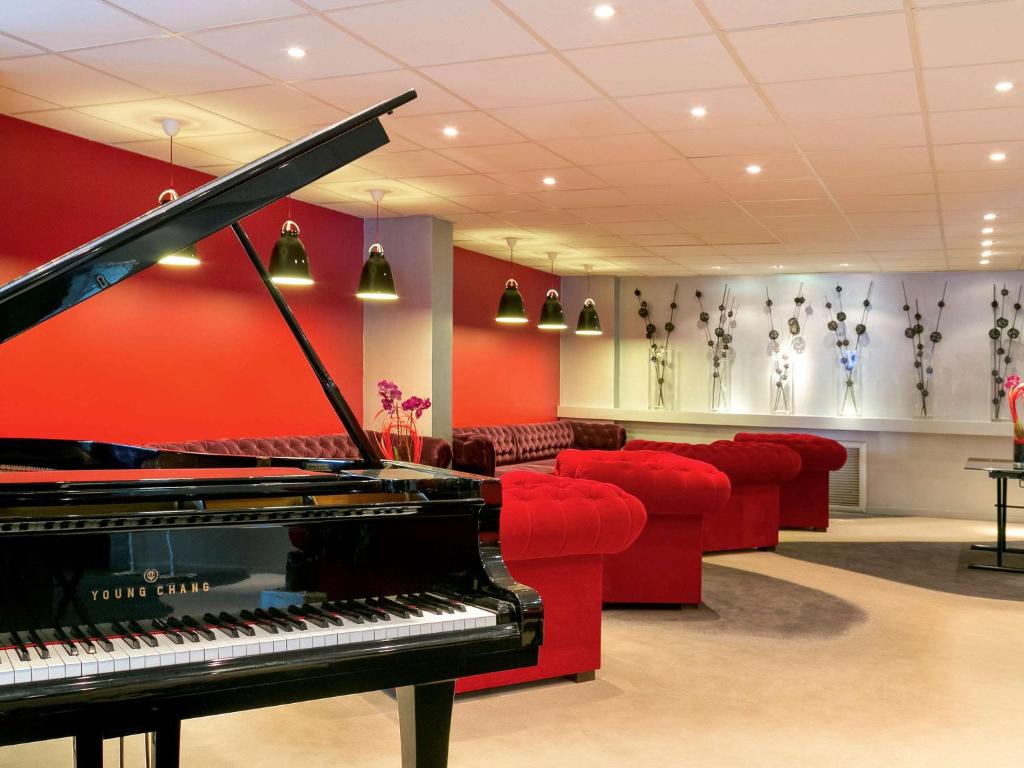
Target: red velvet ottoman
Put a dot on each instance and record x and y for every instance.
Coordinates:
(554, 533)
(805, 498)
(664, 565)
(756, 471)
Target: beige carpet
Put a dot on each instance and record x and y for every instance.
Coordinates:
(813, 656)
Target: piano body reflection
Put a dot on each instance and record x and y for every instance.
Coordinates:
(141, 587)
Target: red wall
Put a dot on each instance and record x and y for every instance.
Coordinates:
(172, 353)
(501, 374)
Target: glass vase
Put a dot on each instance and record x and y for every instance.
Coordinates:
(849, 391)
(780, 390)
(661, 380)
(720, 382)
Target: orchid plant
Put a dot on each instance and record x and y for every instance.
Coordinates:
(397, 420)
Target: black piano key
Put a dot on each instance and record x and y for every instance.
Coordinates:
(19, 646)
(216, 623)
(309, 616)
(142, 633)
(99, 639)
(82, 638)
(265, 624)
(172, 635)
(339, 609)
(263, 615)
(126, 635)
(408, 605)
(280, 615)
(237, 624)
(40, 647)
(311, 610)
(423, 605)
(452, 600)
(380, 603)
(176, 623)
(67, 642)
(199, 628)
(441, 605)
(373, 612)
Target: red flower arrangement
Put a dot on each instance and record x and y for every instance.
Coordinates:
(398, 435)
(1015, 390)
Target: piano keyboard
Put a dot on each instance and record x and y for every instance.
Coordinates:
(81, 650)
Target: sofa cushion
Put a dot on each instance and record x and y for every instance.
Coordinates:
(544, 516)
(542, 440)
(816, 453)
(506, 446)
(742, 462)
(540, 467)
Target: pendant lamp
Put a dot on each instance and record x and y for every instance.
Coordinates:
(588, 324)
(186, 257)
(552, 317)
(289, 264)
(376, 282)
(511, 308)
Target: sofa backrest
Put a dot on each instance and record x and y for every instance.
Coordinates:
(519, 443)
(506, 446)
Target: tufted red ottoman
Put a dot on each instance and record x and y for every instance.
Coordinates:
(664, 565)
(805, 498)
(756, 471)
(554, 533)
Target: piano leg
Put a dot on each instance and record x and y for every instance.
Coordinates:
(89, 750)
(425, 719)
(167, 745)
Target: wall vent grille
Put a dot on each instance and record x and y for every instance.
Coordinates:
(847, 487)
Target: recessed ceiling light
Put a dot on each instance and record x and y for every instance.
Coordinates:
(988, 230)
(986, 254)
(295, 52)
(1004, 86)
(843, 264)
(989, 216)
(716, 267)
(986, 243)
(604, 11)
(699, 111)
(754, 169)
(997, 157)
(984, 261)
(450, 131)
(778, 266)
(549, 181)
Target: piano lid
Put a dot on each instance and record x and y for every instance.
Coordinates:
(91, 268)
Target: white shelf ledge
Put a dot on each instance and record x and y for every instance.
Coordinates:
(774, 421)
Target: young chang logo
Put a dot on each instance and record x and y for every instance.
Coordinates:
(141, 591)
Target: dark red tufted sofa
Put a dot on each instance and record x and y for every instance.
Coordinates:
(664, 565)
(554, 534)
(494, 450)
(436, 452)
(804, 499)
(756, 472)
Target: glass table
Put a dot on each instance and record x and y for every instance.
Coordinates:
(1002, 471)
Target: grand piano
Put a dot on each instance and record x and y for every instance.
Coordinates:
(142, 587)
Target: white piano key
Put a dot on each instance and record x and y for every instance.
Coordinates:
(136, 657)
(22, 670)
(37, 667)
(56, 670)
(169, 649)
(121, 662)
(90, 666)
(72, 663)
(269, 642)
(6, 670)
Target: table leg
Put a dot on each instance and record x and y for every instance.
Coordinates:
(1000, 548)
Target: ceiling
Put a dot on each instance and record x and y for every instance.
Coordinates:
(873, 120)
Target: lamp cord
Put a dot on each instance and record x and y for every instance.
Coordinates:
(171, 161)
(377, 216)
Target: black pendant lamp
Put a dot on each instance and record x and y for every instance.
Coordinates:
(376, 282)
(588, 324)
(289, 264)
(186, 257)
(552, 317)
(511, 308)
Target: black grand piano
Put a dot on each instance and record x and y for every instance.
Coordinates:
(142, 587)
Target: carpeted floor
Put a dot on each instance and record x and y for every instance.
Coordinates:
(871, 645)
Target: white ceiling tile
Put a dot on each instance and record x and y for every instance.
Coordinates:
(934, 244)
(185, 15)
(975, 157)
(973, 87)
(899, 233)
(665, 239)
(475, 129)
(64, 82)
(572, 24)
(888, 203)
(981, 201)
(683, 64)
(895, 219)
(1005, 124)
(1009, 180)
(505, 157)
(10, 47)
(859, 162)
(262, 45)
(145, 116)
(421, 162)
(240, 147)
(582, 198)
(734, 14)
(635, 147)
(425, 32)
(680, 194)
(360, 190)
(731, 140)
(571, 120)
(893, 93)
(725, 107)
(971, 34)
(540, 218)
(64, 24)
(892, 131)
(525, 81)
(354, 93)
(268, 107)
(500, 203)
(455, 186)
(658, 172)
(183, 155)
(426, 206)
(797, 208)
(168, 65)
(827, 240)
(774, 189)
(782, 225)
(78, 124)
(825, 48)
(568, 178)
(12, 102)
(733, 168)
(617, 213)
